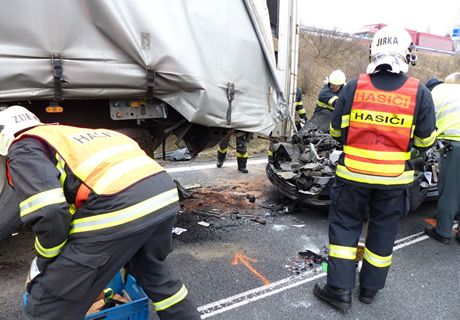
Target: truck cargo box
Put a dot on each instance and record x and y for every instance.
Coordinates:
(193, 52)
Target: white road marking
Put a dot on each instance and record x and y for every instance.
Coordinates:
(228, 163)
(223, 305)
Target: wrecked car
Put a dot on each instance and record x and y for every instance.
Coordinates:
(303, 169)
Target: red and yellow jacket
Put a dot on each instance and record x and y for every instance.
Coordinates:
(379, 133)
(91, 184)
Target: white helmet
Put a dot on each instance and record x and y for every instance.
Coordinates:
(337, 77)
(13, 120)
(391, 46)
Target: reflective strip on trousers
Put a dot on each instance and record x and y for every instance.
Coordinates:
(169, 302)
(40, 200)
(342, 252)
(134, 212)
(376, 260)
(49, 252)
(222, 150)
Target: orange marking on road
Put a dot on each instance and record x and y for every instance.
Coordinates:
(431, 221)
(244, 260)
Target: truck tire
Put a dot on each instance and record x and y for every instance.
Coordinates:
(9, 204)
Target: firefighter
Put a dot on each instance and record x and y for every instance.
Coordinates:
(446, 97)
(96, 203)
(242, 140)
(378, 118)
(301, 118)
(327, 99)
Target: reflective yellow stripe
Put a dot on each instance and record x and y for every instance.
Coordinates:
(269, 153)
(373, 167)
(91, 163)
(242, 155)
(118, 170)
(298, 103)
(331, 100)
(300, 111)
(334, 133)
(345, 121)
(49, 252)
(60, 166)
(222, 150)
(176, 298)
(342, 252)
(381, 118)
(406, 177)
(324, 105)
(125, 215)
(376, 260)
(426, 142)
(40, 200)
(376, 155)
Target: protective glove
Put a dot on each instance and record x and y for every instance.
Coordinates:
(33, 270)
(33, 273)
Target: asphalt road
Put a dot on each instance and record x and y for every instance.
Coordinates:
(237, 268)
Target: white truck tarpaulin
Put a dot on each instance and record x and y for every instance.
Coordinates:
(195, 47)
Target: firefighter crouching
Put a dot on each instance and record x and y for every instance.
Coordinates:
(378, 118)
(96, 203)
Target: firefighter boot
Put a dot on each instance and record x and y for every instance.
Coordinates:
(242, 165)
(220, 158)
(339, 298)
(366, 295)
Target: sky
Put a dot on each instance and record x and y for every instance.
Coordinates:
(435, 16)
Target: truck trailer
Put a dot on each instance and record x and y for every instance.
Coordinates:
(149, 68)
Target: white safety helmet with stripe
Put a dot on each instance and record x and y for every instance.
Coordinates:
(13, 120)
(337, 77)
(391, 46)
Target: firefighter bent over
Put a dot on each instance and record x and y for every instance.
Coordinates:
(378, 118)
(242, 140)
(96, 203)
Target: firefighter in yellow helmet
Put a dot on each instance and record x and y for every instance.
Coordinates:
(96, 203)
(327, 99)
(378, 118)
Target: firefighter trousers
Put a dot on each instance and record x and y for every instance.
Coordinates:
(350, 205)
(449, 190)
(242, 140)
(71, 284)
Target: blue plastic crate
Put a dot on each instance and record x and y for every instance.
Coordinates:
(137, 309)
